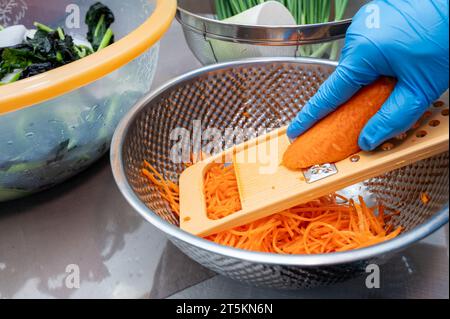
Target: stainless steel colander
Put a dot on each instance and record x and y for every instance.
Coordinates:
(254, 94)
(214, 41)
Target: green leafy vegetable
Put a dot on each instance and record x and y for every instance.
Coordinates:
(98, 19)
(36, 68)
(11, 77)
(66, 137)
(15, 58)
(50, 48)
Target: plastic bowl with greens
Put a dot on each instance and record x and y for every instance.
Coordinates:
(65, 89)
(25, 53)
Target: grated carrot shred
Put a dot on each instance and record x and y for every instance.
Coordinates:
(326, 225)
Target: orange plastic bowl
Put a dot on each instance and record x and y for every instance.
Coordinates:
(55, 124)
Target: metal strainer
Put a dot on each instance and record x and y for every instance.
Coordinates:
(214, 41)
(254, 94)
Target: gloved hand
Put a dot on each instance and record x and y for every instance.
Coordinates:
(410, 43)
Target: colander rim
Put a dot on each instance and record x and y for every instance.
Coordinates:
(270, 27)
(263, 35)
(433, 224)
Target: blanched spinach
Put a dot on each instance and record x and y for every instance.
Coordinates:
(49, 49)
(16, 58)
(44, 52)
(98, 19)
(35, 69)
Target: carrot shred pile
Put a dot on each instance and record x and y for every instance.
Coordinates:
(326, 225)
(167, 189)
(221, 191)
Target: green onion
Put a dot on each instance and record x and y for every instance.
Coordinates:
(340, 8)
(304, 12)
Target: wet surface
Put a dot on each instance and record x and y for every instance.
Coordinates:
(411, 275)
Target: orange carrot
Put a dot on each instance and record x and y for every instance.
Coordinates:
(168, 190)
(335, 137)
(326, 225)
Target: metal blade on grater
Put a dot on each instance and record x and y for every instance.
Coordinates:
(266, 187)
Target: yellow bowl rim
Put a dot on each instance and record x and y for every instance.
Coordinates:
(54, 83)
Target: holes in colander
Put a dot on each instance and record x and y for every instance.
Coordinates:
(445, 112)
(421, 134)
(355, 158)
(435, 123)
(427, 115)
(402, 137)
(438, 104)
(387, 146)
(416, 126)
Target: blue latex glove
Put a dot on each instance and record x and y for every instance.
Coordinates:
(410, 44)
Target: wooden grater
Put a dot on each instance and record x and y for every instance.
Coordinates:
(266, 187)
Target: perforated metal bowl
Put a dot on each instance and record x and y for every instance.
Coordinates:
(254, 94)
(214, 41)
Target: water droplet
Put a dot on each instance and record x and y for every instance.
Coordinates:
(355, 158)
(29, 134)
(54, 121)
(387, 146)
(10, 142)
(402, 137)
(438, 104)
(426, 115)
(422, 134)
(435, 123)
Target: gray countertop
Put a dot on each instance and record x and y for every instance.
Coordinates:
(86, 222)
